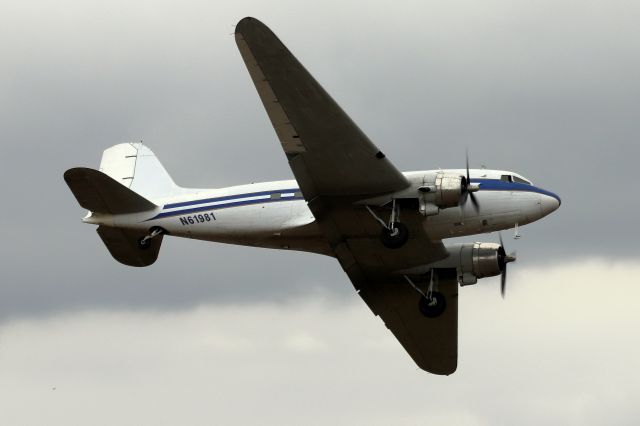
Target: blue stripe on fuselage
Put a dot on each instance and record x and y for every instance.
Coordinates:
(485, 185)
(231, 203)
(229, 197)
(501, 185)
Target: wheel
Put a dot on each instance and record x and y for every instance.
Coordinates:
(396, 238)
(144, 244)
(433, 308)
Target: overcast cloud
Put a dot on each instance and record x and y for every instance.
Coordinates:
(564, 357)
(549, 89)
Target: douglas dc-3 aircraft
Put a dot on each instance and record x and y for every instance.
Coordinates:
(385, 227)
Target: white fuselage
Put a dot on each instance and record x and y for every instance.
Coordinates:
(275, 214)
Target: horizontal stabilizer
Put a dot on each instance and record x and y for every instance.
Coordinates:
(97, 192)
(123, 246)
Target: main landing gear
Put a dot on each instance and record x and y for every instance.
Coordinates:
(432, 304)
(145, 242)
(394, 234)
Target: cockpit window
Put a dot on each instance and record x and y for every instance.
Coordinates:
(514, 178)
(520, 180)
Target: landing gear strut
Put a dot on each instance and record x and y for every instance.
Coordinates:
(394, 234)
(432, 304)
(145, 242)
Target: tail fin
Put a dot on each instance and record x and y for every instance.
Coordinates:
(99, 193)
(135, 166)
(130, 175)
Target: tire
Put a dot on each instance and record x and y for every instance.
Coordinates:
(433, 310)
(142, 244)
(395, 241)
(145, 244)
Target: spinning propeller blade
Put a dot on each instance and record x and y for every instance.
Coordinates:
(503, 259)
(466, 191)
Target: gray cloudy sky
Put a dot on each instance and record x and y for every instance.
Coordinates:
(549, 89)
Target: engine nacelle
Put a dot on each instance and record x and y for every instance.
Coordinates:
(470, 260)
(448, 189)
(479, 260)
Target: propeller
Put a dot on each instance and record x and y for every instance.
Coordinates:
(503, 259)
(469, 189)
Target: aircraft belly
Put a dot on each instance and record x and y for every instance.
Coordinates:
(286, 225)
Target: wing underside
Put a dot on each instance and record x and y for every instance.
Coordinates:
(328, 153)
(431, 342)
(337, 165)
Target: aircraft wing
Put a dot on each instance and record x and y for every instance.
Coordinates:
(328, 153)
(431, 342)
(335, 165)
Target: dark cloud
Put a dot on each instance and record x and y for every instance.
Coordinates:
(548, 89)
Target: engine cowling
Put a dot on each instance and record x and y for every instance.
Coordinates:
(449, 188)
(470, 260)
(479, 260)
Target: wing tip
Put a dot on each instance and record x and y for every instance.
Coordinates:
(440, 370)
(76, 174)
(247, 23)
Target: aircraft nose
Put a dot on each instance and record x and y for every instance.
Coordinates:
(549, 204)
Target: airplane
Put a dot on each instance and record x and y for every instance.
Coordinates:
(386, 228)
